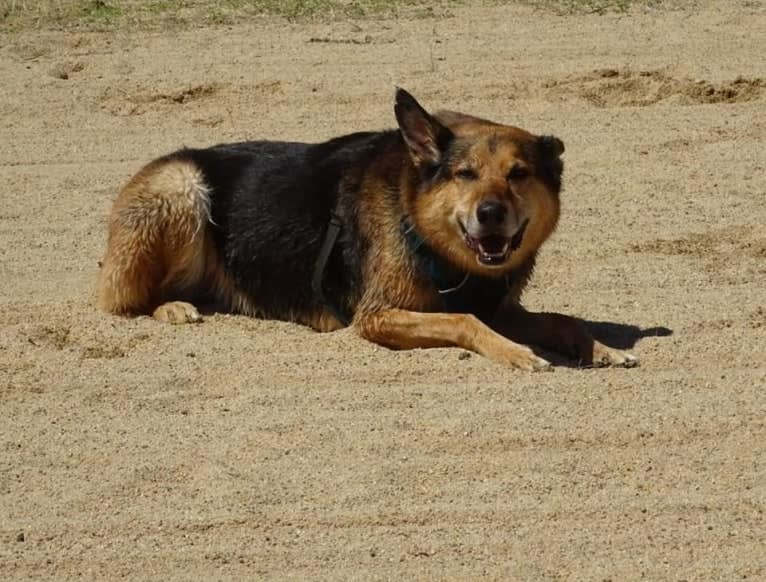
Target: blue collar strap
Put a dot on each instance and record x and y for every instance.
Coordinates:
(461, 292)
(444, 276)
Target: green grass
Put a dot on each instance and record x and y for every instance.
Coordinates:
(113, 14)
(110, 14)
(101, 12)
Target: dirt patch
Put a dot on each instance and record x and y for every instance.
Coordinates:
(625, 88)
(65, 70)
(139, 100)
(57, 337)
(736, 240)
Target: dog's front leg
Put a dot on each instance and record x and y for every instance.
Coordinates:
(401, 329)
(559, 333)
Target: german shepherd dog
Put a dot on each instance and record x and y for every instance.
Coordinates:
(423, 236)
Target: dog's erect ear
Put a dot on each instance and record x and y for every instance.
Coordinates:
(552, 146)
(550, 149)
(426, 138)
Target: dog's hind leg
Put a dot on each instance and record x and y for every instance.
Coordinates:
(159, 249)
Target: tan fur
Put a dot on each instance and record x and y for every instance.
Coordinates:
(389, 271)
(156, 237)
(401, 329)
(159, 245)
(177, 312)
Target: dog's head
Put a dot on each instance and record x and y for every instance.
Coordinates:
(484, 195)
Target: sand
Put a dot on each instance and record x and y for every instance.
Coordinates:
(248, 449)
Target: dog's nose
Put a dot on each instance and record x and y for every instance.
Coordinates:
(491, 213)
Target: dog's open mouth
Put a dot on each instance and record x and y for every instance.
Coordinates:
(493, 249)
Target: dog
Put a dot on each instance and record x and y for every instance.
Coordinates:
(416, 237)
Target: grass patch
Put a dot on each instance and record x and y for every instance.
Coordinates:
(142, 14)
(100, 12)
(112, 14)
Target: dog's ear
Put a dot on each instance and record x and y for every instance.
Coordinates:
(550, 149)
(426, 138)
(551, 146)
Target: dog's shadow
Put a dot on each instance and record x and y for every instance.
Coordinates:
(620, 336)
(623, 336)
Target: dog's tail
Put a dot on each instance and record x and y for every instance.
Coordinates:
(158, 237)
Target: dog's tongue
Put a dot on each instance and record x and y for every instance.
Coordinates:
(493, 244)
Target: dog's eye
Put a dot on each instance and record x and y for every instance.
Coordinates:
(466, 174)
(518, 173)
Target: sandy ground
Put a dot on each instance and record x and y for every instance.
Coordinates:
(250, 449)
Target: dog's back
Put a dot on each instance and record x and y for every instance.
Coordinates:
(239, 226)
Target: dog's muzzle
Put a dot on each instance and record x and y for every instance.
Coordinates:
(493, 249)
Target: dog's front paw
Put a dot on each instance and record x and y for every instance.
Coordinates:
(525, 359)
(606, 356)
(177, 312)
(541, 365)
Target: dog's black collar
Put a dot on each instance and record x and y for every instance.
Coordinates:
(461, 292)
(444, 277)
(330, 238)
